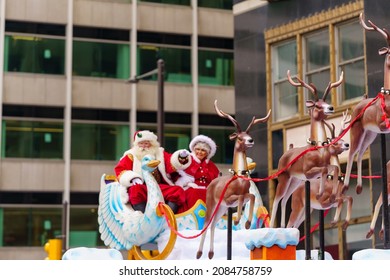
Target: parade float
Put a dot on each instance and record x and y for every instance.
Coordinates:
(159, 234)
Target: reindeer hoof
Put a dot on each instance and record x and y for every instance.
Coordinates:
(369, 233)
(381, 234)
(344, 190)
(345, 225)
(211, 255)
(198, 254)
(359, 189)
(247, 225)
(333, 224)
(236, 222)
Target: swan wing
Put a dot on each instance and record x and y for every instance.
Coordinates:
(111, 215)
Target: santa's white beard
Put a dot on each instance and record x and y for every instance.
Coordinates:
(141, 152)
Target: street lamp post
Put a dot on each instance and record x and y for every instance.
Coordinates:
(160, 71)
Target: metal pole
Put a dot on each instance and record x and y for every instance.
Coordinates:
(385, 206)
(321, 251)
(229, 233)
(160, 109)
(307, 220)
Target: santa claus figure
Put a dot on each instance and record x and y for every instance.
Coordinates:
(201, 171)
(128, 171)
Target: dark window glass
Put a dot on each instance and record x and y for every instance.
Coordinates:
(101, 33)
(100, 115)
(163, 38)
(96, 59)
(215, 68)
(20, 197)
(105, 60)
(215, 43)
(177, 63)
(32, 139)
(217, 4)
(35, 28)
(31, 54)
(29, 226)
(99, 141)
(33, 111)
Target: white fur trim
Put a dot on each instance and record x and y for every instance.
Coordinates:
(184, 179)
(207, 140)
(175, 161)
(123, 194)
(127, 176)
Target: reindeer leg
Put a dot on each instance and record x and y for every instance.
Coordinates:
(336, 217)
(200, 249)
(349, 212)
(239, 209)
(281, 189)
(368, 139)
(375, 216)
(335, 185)
(251, 207)
(295, 183)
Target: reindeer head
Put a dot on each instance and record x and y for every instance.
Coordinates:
(243, 140)
(382, 51)
(339, 146)
(319, 109)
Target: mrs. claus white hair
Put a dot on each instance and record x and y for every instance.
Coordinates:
(204, 142)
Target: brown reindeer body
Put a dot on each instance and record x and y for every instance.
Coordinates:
(378, 206)
(312, 165)
(365, 129)
(325, 201)
(237, 190)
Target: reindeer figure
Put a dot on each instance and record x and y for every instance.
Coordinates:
(378, 206)
(298, 197)
(373, 120)
(313, 164)
(237, 191)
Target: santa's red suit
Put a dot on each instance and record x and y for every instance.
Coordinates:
(199, 174)
(129, 168)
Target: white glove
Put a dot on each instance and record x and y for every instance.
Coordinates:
(184, 154)
(136, 181)
(183, 157)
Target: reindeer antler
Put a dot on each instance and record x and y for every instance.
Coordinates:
(331, 129)
(256, 121)
(333, 85)
(227, 116)
(310, 87)
(373, 27)
(345, 120)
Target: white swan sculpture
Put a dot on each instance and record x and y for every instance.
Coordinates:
(119, 225)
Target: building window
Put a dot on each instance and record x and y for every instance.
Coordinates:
(34, 54)
(96, 141)
(313, 56)
(32, 139)
(284, 97)
(317, 61)
(350, 59)
(215, 68)
(98, 59)
(29, 226)
(177, 62)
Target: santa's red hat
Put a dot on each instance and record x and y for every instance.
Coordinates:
(145, 135)
(203, 139)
